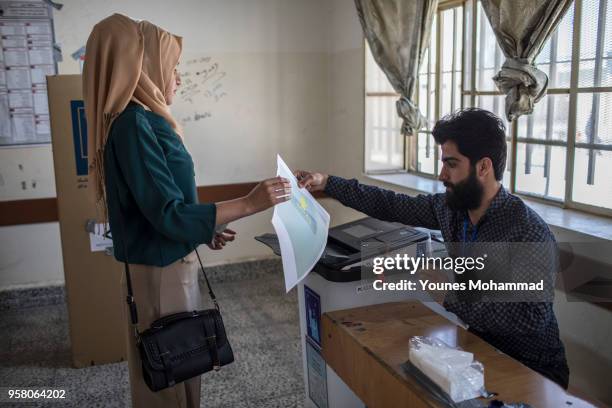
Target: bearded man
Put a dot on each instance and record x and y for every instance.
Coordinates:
(475, 208)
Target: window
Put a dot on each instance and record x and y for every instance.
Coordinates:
(559, 153)
(592, 154)
(384, 145)
(386, 148)
(424, 160)
(479, 89)
(542, 136)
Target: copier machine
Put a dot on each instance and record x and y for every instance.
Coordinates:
(335, 284)
(349, 245)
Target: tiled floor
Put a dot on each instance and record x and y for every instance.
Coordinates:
(261, 320)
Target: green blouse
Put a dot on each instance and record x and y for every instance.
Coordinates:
(150, 186)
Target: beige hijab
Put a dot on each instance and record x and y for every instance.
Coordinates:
(125, 61)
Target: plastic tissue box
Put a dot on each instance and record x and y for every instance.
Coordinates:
(453, 370)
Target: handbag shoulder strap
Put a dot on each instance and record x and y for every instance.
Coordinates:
(130, 295)
(210, 289)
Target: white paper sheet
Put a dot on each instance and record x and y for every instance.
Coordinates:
(14, 41)
(41, 55)
(39, 28)
(13, 29)
(26, 9)
(39, 73)
(20, 99)
(16, 57)
(18, 78)
(43, 126)
(5, 119)
(23, 128)
(41, 104)
(301, 225)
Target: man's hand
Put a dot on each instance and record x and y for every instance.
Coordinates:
(311, 181)
(221, 238)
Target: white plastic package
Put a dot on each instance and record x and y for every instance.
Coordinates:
(454, 371)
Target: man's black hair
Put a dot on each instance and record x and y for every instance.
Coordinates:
(478, 133)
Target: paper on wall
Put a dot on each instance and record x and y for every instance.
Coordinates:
(98, 241)
(301, 225)
(26, 58)
(23, 128)
(18, 78)
(16, 57)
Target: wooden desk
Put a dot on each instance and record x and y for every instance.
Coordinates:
(366, 346)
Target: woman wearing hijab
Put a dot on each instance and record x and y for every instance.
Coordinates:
(144, 179)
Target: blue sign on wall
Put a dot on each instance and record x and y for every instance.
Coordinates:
(79, 134)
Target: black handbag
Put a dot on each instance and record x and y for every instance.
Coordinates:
(182, 345)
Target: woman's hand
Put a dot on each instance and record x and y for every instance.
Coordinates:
(221, 238)
(268, 193)
(311, 181)
(265, 195)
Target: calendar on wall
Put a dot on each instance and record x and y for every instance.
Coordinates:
(27, 56)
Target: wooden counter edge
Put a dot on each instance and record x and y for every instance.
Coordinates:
(382, 388)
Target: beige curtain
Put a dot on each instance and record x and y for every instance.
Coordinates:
(522, 27)
(398, 33)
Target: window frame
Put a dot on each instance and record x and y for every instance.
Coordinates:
(412, 142)
(575, 90)
(469, 91)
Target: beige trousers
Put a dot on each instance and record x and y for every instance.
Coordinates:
(160, 291)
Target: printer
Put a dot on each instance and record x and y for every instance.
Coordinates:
(348, 245)
(337, 283)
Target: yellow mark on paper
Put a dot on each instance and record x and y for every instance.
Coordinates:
(303, 203)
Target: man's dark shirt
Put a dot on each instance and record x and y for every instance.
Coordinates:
(527, 331)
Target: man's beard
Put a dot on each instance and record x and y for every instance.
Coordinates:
(465, 195)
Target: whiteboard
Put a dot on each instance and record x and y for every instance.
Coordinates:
(255, 78)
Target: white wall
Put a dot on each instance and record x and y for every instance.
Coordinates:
(347, 90)
(586, 330)
(273, 55)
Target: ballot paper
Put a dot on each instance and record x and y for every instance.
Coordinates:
(301, 225)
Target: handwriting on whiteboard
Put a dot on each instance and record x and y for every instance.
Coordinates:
(195, 117)
(201, 78)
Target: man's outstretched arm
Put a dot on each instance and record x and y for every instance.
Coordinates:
(376, 202)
